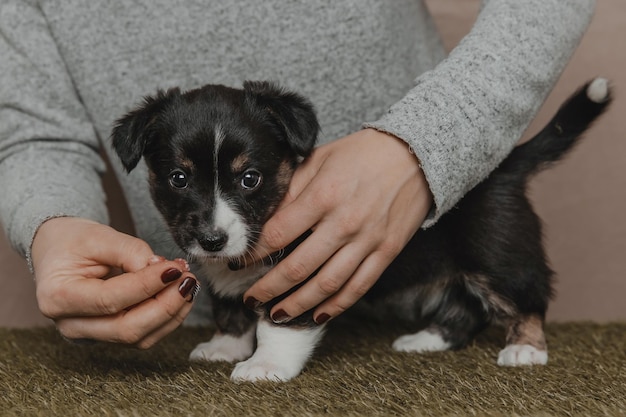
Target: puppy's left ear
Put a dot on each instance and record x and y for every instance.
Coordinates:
(132, 133)
(293, 114)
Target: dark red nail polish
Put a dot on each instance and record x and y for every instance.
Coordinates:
(252, 303)
(280, 316)
(195, 292)
(322, 318)
(171, 275)
(188, 286)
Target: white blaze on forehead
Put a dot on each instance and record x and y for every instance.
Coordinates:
(225, 215)
(219, 139)
(227, 219)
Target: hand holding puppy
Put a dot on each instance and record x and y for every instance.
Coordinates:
(149, 299)
(364, 196)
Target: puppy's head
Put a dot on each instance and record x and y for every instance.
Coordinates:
(219, 159)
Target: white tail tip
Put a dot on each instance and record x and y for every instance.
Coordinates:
(598, 90)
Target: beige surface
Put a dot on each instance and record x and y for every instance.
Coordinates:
(581, 200)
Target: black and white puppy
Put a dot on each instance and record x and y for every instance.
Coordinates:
(220, 161)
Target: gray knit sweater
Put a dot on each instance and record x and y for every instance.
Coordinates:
(69, 68)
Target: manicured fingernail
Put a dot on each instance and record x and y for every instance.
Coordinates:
(195, 292)
(280, 317)
(252, 303)
(189, 286)
(322, 318)
(171, 275)
(155, 259)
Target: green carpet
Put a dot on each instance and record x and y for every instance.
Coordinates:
(354, 373)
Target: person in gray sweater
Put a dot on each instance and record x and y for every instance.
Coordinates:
(406, 132)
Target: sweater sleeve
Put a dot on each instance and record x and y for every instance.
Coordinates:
(462, 118)
(50, 164)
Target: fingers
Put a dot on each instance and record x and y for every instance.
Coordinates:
(296, 214)
(339, 243)
(286, 226)
(297, 267)
(357, 286)
(70, 243)
(340, 283)
(328, 281)
(73, 258)
(144, 324)
(119, 249)
(362, 211)
(75, 296)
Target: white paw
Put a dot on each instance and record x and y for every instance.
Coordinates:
(517, 355)
(598, 90)
(264, 369)
(281, 354)
(225, 348)
(423, 341)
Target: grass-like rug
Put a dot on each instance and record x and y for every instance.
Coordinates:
(354, 373)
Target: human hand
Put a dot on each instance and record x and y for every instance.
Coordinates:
(72, 257)
(364, 196)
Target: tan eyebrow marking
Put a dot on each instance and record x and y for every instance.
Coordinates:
(186, 164)
(285, 172)
(239, 163)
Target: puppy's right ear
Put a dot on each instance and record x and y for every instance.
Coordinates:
(131, 134)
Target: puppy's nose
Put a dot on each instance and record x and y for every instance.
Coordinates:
(214, 241)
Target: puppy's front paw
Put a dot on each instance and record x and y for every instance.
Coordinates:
(517, 355)
(263, 369)
(225, 348)
(281, 354)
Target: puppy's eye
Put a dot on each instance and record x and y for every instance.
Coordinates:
(251, 179)
(178, 179)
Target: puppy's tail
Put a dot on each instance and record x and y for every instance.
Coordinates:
(564, 130)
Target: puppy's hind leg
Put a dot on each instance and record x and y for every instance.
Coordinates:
(428, 340)
(455, 318)
(525, 342)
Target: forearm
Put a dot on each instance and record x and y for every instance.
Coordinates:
(49, 155)
(465, 116)
(42, 183)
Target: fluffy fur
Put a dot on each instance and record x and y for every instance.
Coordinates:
(220, 160)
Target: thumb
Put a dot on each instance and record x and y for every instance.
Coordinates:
(108, 246)
(130, 254)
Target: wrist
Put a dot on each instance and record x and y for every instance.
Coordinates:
(406, 155)
(48, 234)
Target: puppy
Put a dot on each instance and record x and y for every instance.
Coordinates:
(220, 161)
